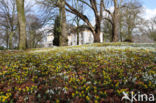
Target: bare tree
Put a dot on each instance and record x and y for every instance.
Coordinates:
(80, 7)
(131, 18)
(97, 8)
(34, 36)
(107, 30)
(151, 28)
(114, 16)
(8, 20)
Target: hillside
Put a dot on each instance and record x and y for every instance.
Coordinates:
(96, 73)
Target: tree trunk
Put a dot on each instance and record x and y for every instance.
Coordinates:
(115, 32)
(22, 24)
(7, 39)
(63, 36)
(97, 30)
(96, 38)
(10, 40)
(129, 34)
(97, 35)
(77, 30)
(77, 36)
(115, 35)
(82, 38)
(120, 30)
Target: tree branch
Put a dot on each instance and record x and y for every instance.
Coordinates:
(108, 12)
(94, 7)
(85, 3)
(83, 17)
(109, 20)
(101, 8)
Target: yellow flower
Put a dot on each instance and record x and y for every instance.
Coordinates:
(95, 87)
(87, 98)
(87, 88)
(96, 101)
(57, 101)
(150, 83)
(66, 88)
(132, 93)
(73, 94)
(77, 92)
(19, 89)
(145, 86)
(27, 88)
(8, 94)
(93, 70)
(97, 97)
(3, 100)
(25, 68)
(80, 94)
(117, 84)
(95, 91)
(24, 90)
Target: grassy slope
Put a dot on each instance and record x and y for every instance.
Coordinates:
(95, 72)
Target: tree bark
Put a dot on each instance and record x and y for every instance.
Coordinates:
(115, 35)
(22, 24)
(11, 40)
(63, 36)
(129, 34)
(97, 30)
(7, 39)
(77, 31)
(114, 21)
(115, 32)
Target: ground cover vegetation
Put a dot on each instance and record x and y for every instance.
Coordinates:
(89, 73)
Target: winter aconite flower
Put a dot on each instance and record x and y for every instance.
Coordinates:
(89, 73)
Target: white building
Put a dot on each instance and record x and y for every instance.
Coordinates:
(49, 40)
(85, 37)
